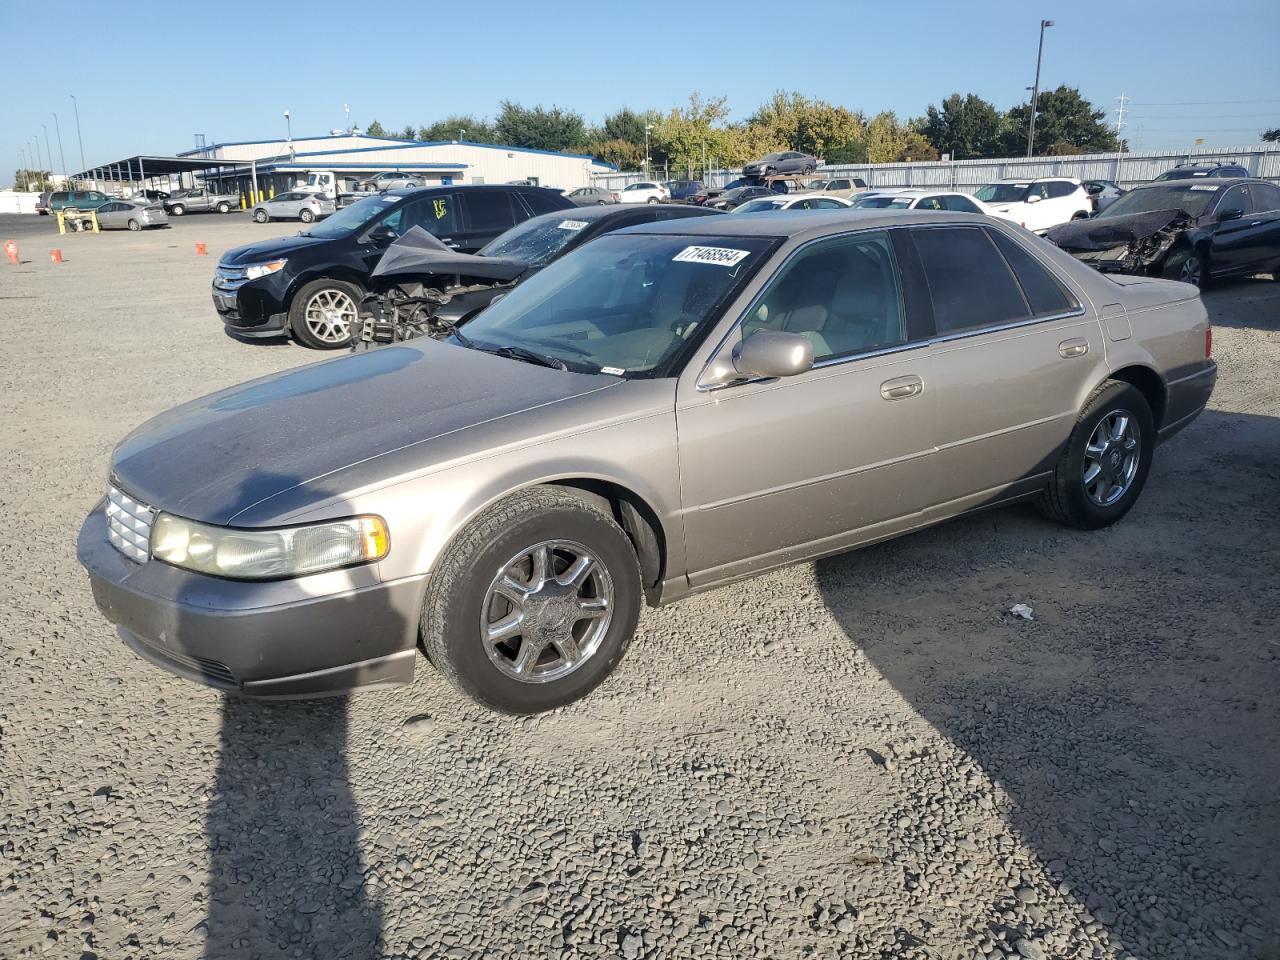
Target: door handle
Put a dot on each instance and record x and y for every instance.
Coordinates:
(899, 388)
(1076, 347)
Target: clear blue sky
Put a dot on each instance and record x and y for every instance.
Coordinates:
(230, 69)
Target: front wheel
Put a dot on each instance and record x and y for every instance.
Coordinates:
(1104, 465)
(177, 210)
(323, 313)
(260, 216)
(534, 603)
(1188, 266)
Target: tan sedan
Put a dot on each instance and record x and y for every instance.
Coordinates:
(665, 410)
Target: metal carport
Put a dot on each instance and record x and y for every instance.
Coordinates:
(140, 168)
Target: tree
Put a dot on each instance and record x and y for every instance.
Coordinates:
(795, 122)
(700, 129)
(459, 126)
(375, 129)
(1271, 136)
(1064, 119)
(623, 154)
(540, 128)
(409, 133)
(967, 127)
(33, 180)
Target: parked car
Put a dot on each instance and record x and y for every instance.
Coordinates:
(907, 199)
(666, 410)
(1037, 204)
(730, 199)
(683, 189)
(79, 199)
(592, 196)
(1188, 230)
(711, 193)
(788, 161)
(794, 201)
(295, 205)
(1198, 170)
(847, 187)
(201, 200)
(644, 192)
(131, 215)
(310, 285)
(421, 287)
(1102, 193)
(42, 203)
(151, 196)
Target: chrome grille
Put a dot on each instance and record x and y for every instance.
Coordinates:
(229, 278)
(129, 524)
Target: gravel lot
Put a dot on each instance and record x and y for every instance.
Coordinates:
(866, 757)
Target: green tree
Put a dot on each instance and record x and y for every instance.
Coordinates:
(540, 128)
(1065, 119)
(408, 133)
(1271, 136)
(375, 129)
(35, 180)
(795, 122)
(459, 126)
(701, 129)
(623, 154)
(967, 127)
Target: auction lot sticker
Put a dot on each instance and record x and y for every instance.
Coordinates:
(572, 224)
(719, 256)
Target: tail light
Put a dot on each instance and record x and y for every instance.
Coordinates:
(1208, 341)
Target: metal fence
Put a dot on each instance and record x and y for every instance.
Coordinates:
(1126, 169)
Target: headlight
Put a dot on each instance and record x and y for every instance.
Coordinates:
(256, 270)
(268, 554)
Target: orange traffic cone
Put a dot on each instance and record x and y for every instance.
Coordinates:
(55, 256)
(11, 250)
(200, 250)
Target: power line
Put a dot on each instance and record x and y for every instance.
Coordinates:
(1205, 103)
(1207, 116)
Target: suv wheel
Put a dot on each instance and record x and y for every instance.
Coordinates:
(1188, 266)
(534, 603)
(323, 313)
(306, 216)
(1105, 462)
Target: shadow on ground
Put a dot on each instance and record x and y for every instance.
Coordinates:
(1134, 721)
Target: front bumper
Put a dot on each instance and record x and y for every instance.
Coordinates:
(251, 308)
(275, 639)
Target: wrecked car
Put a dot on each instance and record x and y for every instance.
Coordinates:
(1188, 230)
(420, 287)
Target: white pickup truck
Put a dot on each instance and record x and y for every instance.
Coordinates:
(348, 189)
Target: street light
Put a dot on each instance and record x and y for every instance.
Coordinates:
(76, 104)
(647, 128)
(289, 127)
(1035, 94)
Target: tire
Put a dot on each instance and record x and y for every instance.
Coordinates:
(315, 310)
(260, 216)
(1080, 215)
(135, 226)
(1187, 265)
(306, 216)
(652, 200)
(462, 599)
(224, 208)
(808, 171)
(1071, 497)
(177, 210)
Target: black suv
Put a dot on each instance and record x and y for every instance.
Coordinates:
(1185, 171)
(311, 284)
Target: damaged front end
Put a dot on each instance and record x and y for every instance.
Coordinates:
(1136, 244)
(421, 288)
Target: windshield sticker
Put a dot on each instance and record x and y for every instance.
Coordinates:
(613, 371)
(1201, 188)
(572, 224)
(389, 199)
(441, 209)
(719, 256)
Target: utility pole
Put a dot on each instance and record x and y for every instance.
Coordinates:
(76, 104)
(47, 152)
(39, 163)
(1035, 92)
(1122, 99)
(26, 174)
(647, 128)
(61, 156)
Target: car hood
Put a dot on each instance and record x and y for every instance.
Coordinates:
(418, 253)
(1105, 232)
(265, 250)
(221, 458)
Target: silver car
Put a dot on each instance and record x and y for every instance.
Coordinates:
(666, 410)
(592, 196)
(295, 205)
(131, 215)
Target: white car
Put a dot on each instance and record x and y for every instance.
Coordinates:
(1037, 203)
(919, 200)
(646, 191)
(793, 201)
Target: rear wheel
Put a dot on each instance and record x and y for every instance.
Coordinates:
(323, 313)
(1104, 465)
(306, 216)
(134, 225)
(224, 207)
(534, 603)
(653, 200)
(260, 216)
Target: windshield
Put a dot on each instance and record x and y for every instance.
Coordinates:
(624, 305)
(1194, 198)
(1002, 192)
(878, 203)
(535, 241)
(816, 185)
(352, 218)
(759, 206)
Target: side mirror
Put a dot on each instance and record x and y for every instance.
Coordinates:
(382, 235)
(1234, 213)
(1034, 198)
(770, 354)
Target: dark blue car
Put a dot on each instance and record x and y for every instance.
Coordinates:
(684, 189)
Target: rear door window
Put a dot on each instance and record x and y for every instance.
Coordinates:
(489, 211)
(540, 203)
(1059, 189)
(960, 204)
(969, 281)
(1045, 295)
(1266, 197)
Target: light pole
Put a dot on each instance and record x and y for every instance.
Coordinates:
(47, 152)
(26, 174)
(61, 156)
(289, 127)
(1035, 94)
(76, 104)
(647, 128)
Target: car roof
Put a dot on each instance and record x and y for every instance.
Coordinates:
(469, 187)
(913, 192)
(1035, 179)
(1189, 182)
(607, 211)
(803, 224)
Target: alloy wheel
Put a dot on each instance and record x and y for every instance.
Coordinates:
(1190, 271)
(547, 611)
(329, 315)
(1111, 458)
